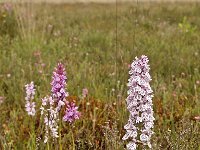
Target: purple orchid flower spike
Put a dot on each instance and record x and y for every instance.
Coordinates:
(58, 85)
(71, 113)
(30, 93)
(139, 104)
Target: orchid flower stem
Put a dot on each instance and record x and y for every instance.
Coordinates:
(33, 133)
(73, 144)
(48, 145)
(60, 140)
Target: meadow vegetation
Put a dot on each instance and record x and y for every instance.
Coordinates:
(97, 51)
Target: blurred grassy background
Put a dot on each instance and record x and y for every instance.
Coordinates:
(97, 1)
(34, 37)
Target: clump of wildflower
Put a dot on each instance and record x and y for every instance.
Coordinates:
(139, 104)
(8, 7)
(71, 112)
(8, 75)
(50, 114)
(30, 93)
(84, 92)
(58, 85)
(2, 99)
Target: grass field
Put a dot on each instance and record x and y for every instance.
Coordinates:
(99, 1)
(96, 45)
